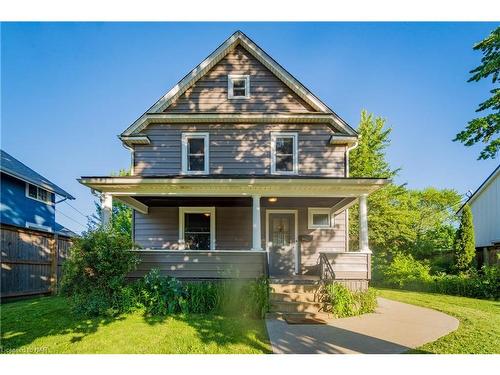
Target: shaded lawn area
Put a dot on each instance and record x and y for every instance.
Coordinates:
(46, 325)
(479, 329)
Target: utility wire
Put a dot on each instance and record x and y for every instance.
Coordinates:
(76, 221)
(77, 210)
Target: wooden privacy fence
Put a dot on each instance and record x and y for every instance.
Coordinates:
(31, 261)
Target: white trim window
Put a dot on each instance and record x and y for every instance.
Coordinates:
(284, 155)
(197, 228)
(38, 193)
(319, 218)
(195, 153)
(238, 86)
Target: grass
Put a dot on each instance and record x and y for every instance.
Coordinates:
(46, 325)
(479, 329)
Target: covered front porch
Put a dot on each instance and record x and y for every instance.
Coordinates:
(204, 228)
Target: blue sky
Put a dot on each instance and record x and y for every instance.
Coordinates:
(68, 89)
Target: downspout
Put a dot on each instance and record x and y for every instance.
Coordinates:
(347, 175)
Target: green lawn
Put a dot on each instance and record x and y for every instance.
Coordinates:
(46, 325)
(479, 329)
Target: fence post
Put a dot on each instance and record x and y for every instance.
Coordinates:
(54, 260)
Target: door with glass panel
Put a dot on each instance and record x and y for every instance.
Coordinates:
(281, 246)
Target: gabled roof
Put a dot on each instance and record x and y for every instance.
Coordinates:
(11, 166)
(482, 187)
(238, 38)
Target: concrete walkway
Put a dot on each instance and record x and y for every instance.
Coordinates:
(394, 327)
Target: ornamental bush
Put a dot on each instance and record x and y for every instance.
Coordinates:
(93, 276)
(404, 270)
(464, 246)
(342, 302)
(161, 295)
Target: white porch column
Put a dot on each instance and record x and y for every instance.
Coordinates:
(106, 209)
(256, 236)
(363, 224)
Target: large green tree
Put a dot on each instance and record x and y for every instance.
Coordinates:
(464, 246)
(400, 219)
(121, 214)
(486, 129)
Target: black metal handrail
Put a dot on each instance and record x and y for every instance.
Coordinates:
(326, 269)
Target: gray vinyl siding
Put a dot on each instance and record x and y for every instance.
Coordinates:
(239, 149)
(202, 264)
(267, 92)
(160, 230)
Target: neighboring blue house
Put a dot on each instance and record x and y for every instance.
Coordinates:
(27, 199)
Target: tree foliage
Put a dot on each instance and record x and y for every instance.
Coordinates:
(400, 220)
(464, 246)
(121, 214)
(486, 129)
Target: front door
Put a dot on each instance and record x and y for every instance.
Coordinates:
(281, 245)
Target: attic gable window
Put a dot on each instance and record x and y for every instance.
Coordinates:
(238, 86)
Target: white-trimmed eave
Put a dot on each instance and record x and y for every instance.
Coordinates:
(216, 56)
(169, 118)
(481, 188)
(303, 187)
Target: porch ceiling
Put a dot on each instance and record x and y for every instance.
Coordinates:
(155, 201)
(224, 186)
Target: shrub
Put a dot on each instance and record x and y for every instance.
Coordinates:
(248, 298)
(161, 295)
(94, 274)
(342, 302)
(404, 270)
(203, 296)
(476, 284)
(464, 246)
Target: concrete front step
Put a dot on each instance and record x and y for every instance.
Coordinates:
(295, 297)
(294, 288)
(317, 315)
(296, 307)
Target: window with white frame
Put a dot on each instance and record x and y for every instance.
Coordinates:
(319, 218)
(238, 86)
(195, 153)
(39, 194)
(284, 158)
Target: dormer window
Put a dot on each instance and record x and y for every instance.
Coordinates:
(238, 86)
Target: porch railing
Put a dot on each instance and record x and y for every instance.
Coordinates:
(326, 271)
(335, 265)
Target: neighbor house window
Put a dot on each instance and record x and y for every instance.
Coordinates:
(238, 86)
(39, 194)
(319, 218)
(197, 228)
(284, 153)
(195, 153)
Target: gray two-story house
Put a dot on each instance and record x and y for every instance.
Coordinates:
(240, 171)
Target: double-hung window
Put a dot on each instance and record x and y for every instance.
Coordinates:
(39, 194)
(284, 158)
(238, 86)
(195, 153)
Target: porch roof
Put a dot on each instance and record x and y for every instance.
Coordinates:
(234, 185)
